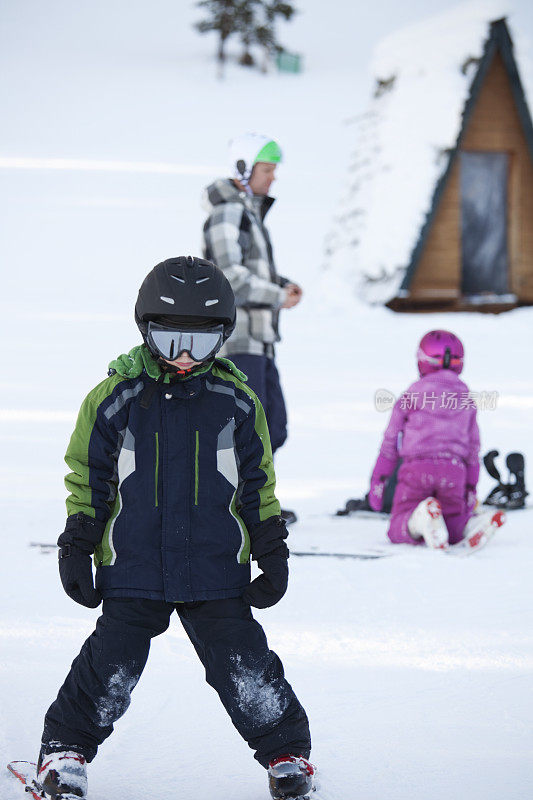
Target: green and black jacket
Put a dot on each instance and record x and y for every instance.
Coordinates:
(178, 472)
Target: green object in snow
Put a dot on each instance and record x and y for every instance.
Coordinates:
(289, 62)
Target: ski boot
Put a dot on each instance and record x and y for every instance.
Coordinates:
(426, 522)
(291, 777)
(62, 775)
(481, 528)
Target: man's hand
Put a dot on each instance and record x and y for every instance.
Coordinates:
(293, 295)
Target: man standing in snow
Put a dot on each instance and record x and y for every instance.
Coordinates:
(236, 239)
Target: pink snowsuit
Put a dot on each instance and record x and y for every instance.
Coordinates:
(433, 428)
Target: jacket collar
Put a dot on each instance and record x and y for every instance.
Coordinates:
(139, 360)
(224, 190)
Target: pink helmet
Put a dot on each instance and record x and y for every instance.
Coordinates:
(440, 350)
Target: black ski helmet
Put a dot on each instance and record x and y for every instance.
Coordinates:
(186, 289)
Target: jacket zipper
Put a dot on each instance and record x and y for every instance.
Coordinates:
(189, 526)
(196, 467)
(156, 467)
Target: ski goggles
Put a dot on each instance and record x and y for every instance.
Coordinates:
(169, 343)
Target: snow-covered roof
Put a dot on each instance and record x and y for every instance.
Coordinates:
(423, 76)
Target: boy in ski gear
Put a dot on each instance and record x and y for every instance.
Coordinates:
(172, 489)
(237, 241)
(433, 428)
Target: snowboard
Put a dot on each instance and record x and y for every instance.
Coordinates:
(25, 772)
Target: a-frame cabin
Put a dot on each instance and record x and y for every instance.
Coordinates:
(475, 249)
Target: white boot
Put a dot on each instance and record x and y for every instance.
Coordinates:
(481, 528)
(427, 522)
(291, 777)
(63, 775)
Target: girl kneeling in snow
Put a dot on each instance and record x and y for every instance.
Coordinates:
(433, 428)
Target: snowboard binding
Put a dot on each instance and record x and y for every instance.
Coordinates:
(511, 495)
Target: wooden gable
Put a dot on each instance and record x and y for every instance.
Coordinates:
(495, 120)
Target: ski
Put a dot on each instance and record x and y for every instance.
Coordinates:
(481, 533)
(463, 549)
(25, 771)
(44, 546)
(358, 556)
(362, 513)
(459, 550)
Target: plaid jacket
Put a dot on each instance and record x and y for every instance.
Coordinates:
(236, 239)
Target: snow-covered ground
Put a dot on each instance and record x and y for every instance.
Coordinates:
(416, 669)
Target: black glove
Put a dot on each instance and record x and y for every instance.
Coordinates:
(271, 553)
(267, 589)
(76, 546)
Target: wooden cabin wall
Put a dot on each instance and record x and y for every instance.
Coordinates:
(494, 125)
(438, 275)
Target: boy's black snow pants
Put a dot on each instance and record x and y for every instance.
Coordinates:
(233, 648)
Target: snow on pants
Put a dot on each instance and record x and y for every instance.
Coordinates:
(443, 478)
(263, 378)
(231, 645)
